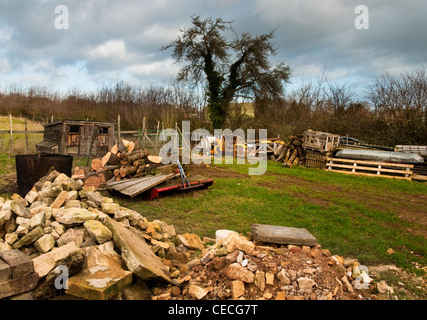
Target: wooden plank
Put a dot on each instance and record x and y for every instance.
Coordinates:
(370, 174)
(403, 171)
(127, 182)
(139, 188)
(371, 162)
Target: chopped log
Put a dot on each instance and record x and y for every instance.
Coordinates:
(113, 159)
(121, 147)
(96, 164)
(127, 171)
(94, 180)
(135, 155)
(131, 146)
(282, 154)
(105, 158)
(114, 149)
(125, 143)
(139, 162)
(154, 159)
(116, 172)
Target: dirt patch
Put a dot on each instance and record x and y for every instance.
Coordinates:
(211, 172)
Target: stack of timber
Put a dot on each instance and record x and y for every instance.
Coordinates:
(370, 168)
(289, 152)
(123, 161)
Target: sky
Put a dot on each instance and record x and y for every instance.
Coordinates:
(66, 45)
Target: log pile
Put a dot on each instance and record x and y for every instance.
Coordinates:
(290, 152)
(123, 161)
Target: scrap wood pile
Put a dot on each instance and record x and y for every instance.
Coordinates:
(290, 151)
(112, 252)
(123, 161)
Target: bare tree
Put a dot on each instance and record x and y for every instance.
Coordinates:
(227, 68)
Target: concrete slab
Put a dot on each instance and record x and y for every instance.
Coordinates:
(282, 235)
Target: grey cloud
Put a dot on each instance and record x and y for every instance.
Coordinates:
(123, 38)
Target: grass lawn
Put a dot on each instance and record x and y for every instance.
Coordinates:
(360, 217)
(19, 143)
(352, 216)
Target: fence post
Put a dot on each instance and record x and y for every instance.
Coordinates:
(26, 136)
(143, 132)
(11, 133)
(118, 128)
(157, 138)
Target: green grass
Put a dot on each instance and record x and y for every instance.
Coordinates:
(352, 216)
(344, 222)
(19, 142)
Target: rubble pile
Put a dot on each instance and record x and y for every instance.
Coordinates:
(112, 252)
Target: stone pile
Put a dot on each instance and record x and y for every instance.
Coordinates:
(112, 252)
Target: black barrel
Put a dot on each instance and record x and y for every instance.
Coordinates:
(30, 168)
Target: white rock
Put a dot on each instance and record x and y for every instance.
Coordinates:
(305, 283)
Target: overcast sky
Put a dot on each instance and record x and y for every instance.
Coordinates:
(109, 41)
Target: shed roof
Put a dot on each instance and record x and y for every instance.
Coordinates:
(69, 121)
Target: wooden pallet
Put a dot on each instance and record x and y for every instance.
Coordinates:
(370, 168)
(315, 159)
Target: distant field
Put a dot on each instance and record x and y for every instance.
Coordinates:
(19, 143)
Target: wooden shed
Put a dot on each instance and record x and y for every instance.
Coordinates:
(76, 137)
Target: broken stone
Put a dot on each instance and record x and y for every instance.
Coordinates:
(44, 263)
(38, 220)
(18, 208)
(260, 280)
(29, 238)
(110, 208)
(45, 243)
(98, 283)
(10, 238)
(25, 222)
(73, 262)
(283, 278)
(4, 216)
(237, 289)
(20, 264)
(197, 292)
(13, 287)
(98, 231)
(208, 256)
(236, 272)
(32, 195)
(138, 256)
(269, 278)
(59, 228)
(5, 273)
(282, 235)
(59, 200)
(72, 216)
(305, 283)
(75, 235)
